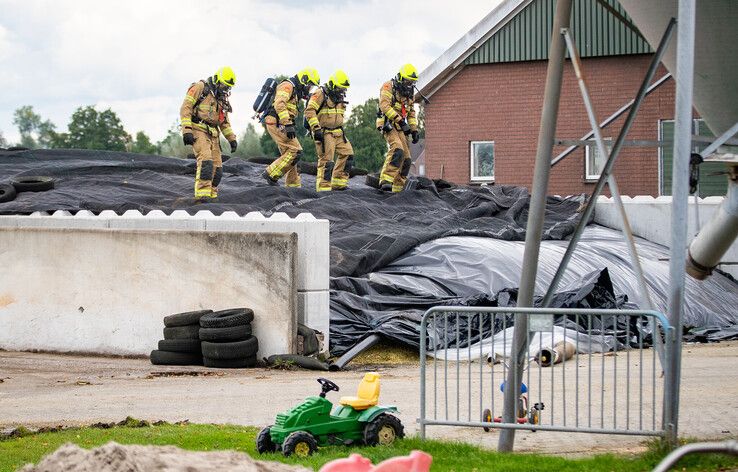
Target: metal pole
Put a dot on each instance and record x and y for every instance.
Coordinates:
(679, 201)
(586, 215)
(536, 215)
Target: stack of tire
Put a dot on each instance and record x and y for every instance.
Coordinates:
(227, 340)
(181, 343)
(9, 191)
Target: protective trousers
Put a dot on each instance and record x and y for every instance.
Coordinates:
(290, 152)
(330, 175)
(209, 164)
(397, 162)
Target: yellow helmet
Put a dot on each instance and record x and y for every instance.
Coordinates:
(339, 79)
(309, 76)
(408, 72)
(225, 76)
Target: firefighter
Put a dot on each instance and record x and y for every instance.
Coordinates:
(204, 115)
(324, 113)
(398, 121)
(280, 124)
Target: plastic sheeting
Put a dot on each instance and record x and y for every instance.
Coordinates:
(369, 229)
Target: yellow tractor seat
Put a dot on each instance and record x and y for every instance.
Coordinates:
(368, 394)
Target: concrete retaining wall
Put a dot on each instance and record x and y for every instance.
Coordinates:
(650, 218)
(103, 283)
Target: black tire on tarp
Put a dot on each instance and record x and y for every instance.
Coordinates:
(227, 318)
(372, 180)
(233, 350)
(33, 184)
(186, 318)
(230, 363)
(174, 358)
(7, 193)
(191, 346)
(182, 332)
(229, 333)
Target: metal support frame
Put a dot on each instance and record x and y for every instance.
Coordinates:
(534, 229)
(679, 206)
(724, 138)
(629, 24)
(627, 232)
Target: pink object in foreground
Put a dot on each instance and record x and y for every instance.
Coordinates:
(417, 461)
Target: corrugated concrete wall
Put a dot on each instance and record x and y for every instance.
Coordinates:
(87, 283)
(650, 218)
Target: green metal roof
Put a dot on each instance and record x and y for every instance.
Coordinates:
(526, 37)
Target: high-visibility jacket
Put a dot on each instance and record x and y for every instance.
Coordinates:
(209, 115)
(284, 106)
(322, 112)
(395, 107)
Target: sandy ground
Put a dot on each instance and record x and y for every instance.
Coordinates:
(53, 389)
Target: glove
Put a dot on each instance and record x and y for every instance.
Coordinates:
(290, 130)
(188, 139)
(234, 145)
(318, 135)
(416, 137)
(405, 127)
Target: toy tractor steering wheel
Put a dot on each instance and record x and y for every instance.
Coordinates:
(326, 386)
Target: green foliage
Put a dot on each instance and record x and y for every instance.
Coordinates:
(143, 145)
(368, 143)
(91, 129)
(172, 144)
(35, 132)
(3, 142)
(249, 144)
(14, 452)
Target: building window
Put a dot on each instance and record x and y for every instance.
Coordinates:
(482, 161)
(593, 161)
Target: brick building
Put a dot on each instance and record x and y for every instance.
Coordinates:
(486, 95)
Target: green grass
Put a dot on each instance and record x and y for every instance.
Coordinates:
(447, 456)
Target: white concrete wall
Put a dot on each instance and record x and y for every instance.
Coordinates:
(125, 289)
(650, 218)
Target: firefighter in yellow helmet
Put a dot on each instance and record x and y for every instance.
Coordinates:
(204, 115)
(397, 121)
(324, 114)
(280, 124)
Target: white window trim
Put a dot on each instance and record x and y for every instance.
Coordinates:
(472, 177)
(587, 149)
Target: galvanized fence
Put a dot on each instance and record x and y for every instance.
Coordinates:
(587, 370)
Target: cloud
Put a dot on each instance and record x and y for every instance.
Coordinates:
(138, 57)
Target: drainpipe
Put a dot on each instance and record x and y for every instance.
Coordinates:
(717, 236)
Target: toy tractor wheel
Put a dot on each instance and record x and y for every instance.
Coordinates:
(383, 430)
(487, 418)
(264, 441)
(299, 443)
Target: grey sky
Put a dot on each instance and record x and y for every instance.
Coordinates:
(138, 57)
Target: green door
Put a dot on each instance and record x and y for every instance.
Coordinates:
(713, 180)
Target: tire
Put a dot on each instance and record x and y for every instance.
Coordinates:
(299, 443)
(186, 318)
(233, 350)
(230, 363)
(191, 346)
(358, 171)
(383, 430)
(227, 318)
(33, 184)
(182, 332)
(7, 193)
(230, 333)
(310, 168)
(487, 418)
(174, 358)
(264, 441)
(262, 160)
(372, 180)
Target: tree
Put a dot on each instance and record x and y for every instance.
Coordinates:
(143, 145)
(90, 129)
(369, 146)
(249, 144)
(3, 142)
(33, 130)
(172, 144)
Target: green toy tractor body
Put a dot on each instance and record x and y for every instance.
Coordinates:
(315, 422)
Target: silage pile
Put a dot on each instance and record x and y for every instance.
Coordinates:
(114, 457)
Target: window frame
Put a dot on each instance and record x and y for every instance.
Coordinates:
(476, 178)
(588, 177)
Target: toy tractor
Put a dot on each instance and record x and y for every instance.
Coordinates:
(313, 423)
(524, 415)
